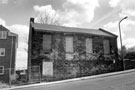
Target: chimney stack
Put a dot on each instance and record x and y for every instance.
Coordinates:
(32, 20)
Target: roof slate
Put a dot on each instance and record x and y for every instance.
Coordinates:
(46, 27)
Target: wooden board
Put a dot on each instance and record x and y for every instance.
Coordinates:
(47, 69)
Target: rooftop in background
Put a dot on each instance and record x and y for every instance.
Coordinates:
(2, 28)
(47, 27)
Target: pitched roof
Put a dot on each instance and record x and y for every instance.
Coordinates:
(46, 27)
(2, 28)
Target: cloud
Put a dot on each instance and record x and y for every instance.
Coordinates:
(2, 22)
(3, 1)
(22, 31)
(74, 12)
(105, 17)
(130, 42)
(114, 3)
(127, 28)
(113, 28)
(128, 12)
(47, 8)
(46, 11)
(78, 12)
(127, 4)
(127, 8)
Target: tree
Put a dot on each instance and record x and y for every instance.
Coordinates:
(48, 18)
(130, 55)
(131, 49)
(124, 51)
(45, 17)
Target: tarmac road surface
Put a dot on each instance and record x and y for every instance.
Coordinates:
(116, 82)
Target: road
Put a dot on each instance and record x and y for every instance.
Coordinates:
(117, 82)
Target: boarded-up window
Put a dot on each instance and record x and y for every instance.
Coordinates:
(47, 68)
(106, 47)
(89, 48)
(47, 42)
(69, 47)
(69, 44)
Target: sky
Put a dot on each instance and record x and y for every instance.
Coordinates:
(106, 14)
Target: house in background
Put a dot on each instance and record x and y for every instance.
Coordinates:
(8, 46)
(58, 52)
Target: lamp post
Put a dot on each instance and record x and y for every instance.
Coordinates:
(121, 41)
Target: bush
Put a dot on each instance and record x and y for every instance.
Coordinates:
(130, 55)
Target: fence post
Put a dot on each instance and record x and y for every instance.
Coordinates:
(29, 74)
(39, 75)
(10, 77)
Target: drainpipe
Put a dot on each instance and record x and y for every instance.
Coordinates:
(10, 68)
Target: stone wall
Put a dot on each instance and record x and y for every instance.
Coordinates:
(82, 64)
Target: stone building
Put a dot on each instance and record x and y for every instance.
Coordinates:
(65, 52)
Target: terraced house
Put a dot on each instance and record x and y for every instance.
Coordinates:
(8, 46)
(65, 52)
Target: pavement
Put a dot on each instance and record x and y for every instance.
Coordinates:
(124, 80)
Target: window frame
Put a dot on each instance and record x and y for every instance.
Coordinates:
(106, 42)
(69, 52)
(45, 46)
(88, 45)
(72, 42)
(3, 34)
(2, 70)
(4, 52)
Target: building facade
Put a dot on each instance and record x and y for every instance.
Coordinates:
(66, 52)
(8, 46)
